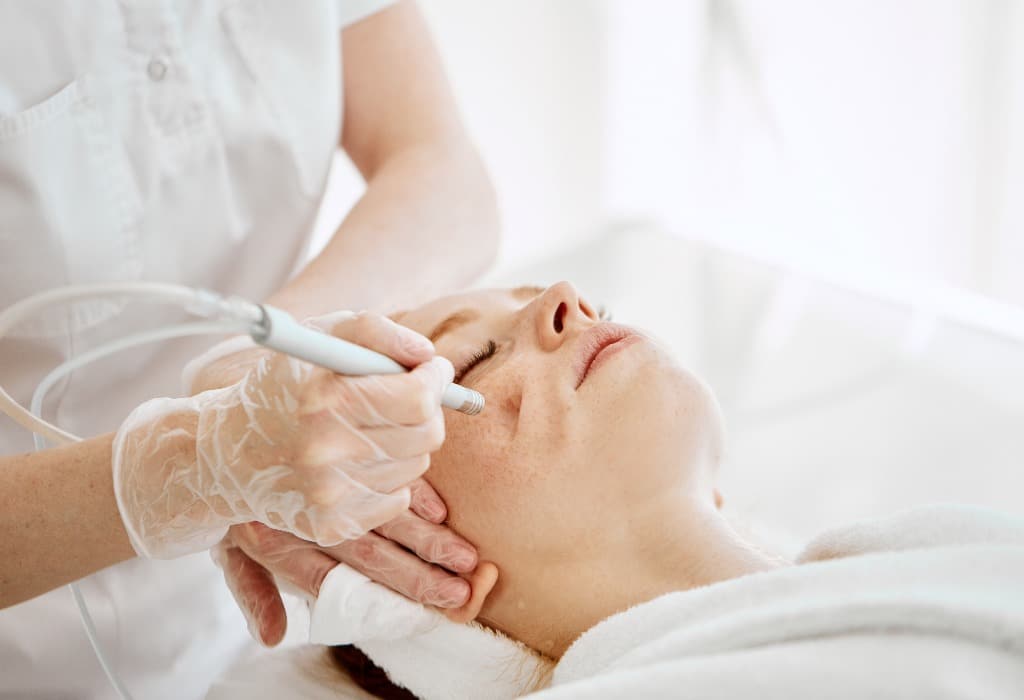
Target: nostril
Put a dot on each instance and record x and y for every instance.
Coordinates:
(560, 318)
(587, 311)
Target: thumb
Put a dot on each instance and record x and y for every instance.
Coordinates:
(380, 334)
(285, 556)
(256, 594)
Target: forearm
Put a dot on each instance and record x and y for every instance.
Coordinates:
(58, 518)
(428, 221)
(426, 225)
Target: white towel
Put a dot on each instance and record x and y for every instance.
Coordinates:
(419, 648)
(929, 603)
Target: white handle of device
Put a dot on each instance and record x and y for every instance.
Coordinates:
(279, 331)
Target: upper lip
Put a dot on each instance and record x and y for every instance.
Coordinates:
(594, 340)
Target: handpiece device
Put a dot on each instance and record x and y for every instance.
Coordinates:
(278, 330)
(266, 325)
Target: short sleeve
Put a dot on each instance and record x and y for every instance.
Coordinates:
(351, 11)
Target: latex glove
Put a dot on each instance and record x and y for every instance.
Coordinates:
(228, 361)
(223, 364)
(406, 554)
(290, 445)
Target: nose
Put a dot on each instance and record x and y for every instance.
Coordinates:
(558, 313)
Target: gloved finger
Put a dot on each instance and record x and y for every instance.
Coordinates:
(389, 564)
(338, 440)
(297, 561)
(404, 441)
(256, 593)
(332, 523)
(426, 503)
(380, 334)
(385, 477)
(431, 542)
(382, 400)
(326, 322)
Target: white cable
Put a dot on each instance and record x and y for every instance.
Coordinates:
(34, 425)
(198, 301)
(97, 650)
(151, 336)
(235, 316)
(61, 371)
(24, 308)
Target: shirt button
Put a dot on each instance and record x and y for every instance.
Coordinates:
(157, 69)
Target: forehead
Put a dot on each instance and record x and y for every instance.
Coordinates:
(481, 303)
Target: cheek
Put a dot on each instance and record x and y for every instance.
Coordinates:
(469, 470)
(494, 471)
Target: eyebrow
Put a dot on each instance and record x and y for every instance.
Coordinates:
(459, 318)
(464, 316)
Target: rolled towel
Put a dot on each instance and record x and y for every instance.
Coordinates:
(418, 647)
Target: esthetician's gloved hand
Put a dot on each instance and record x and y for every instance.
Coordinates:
(414, 554)
(290, 445)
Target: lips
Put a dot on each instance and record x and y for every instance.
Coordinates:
(592, 342)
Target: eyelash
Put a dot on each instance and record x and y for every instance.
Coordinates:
(478, 357)
(488, 350)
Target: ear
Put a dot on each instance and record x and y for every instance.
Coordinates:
(718, 499)
(481, 583)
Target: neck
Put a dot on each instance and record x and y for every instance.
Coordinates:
(548, 602)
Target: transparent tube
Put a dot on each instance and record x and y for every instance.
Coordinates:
(231, 315)
(234, 316)
(36, 408)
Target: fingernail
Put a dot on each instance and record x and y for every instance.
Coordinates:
(452, 594)
(447, 370)
(461, 558)
(415, 343)
(254, 629)
(434, 511)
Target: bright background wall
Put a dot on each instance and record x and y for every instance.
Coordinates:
(815, 203)
(876, 141)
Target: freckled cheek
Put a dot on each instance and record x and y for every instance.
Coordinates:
(466, 460)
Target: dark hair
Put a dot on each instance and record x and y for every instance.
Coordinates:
(357, 667)
(366, 674)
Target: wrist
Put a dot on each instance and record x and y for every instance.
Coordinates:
(154, 465)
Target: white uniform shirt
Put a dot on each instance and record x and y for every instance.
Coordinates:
(172, 140)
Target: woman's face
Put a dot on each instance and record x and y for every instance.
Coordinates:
(584, 422)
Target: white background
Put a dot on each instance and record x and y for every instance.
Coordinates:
(816, 203)
(879, 140)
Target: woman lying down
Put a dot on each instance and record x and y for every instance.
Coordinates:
(590, 482)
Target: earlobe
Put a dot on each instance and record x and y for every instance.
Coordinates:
(481, 583)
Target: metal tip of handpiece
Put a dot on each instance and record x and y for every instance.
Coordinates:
(474, 404)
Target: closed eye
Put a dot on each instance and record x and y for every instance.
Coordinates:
(479, 356)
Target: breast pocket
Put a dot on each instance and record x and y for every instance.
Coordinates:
(69, 210)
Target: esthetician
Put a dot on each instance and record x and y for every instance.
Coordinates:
(190, 143)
